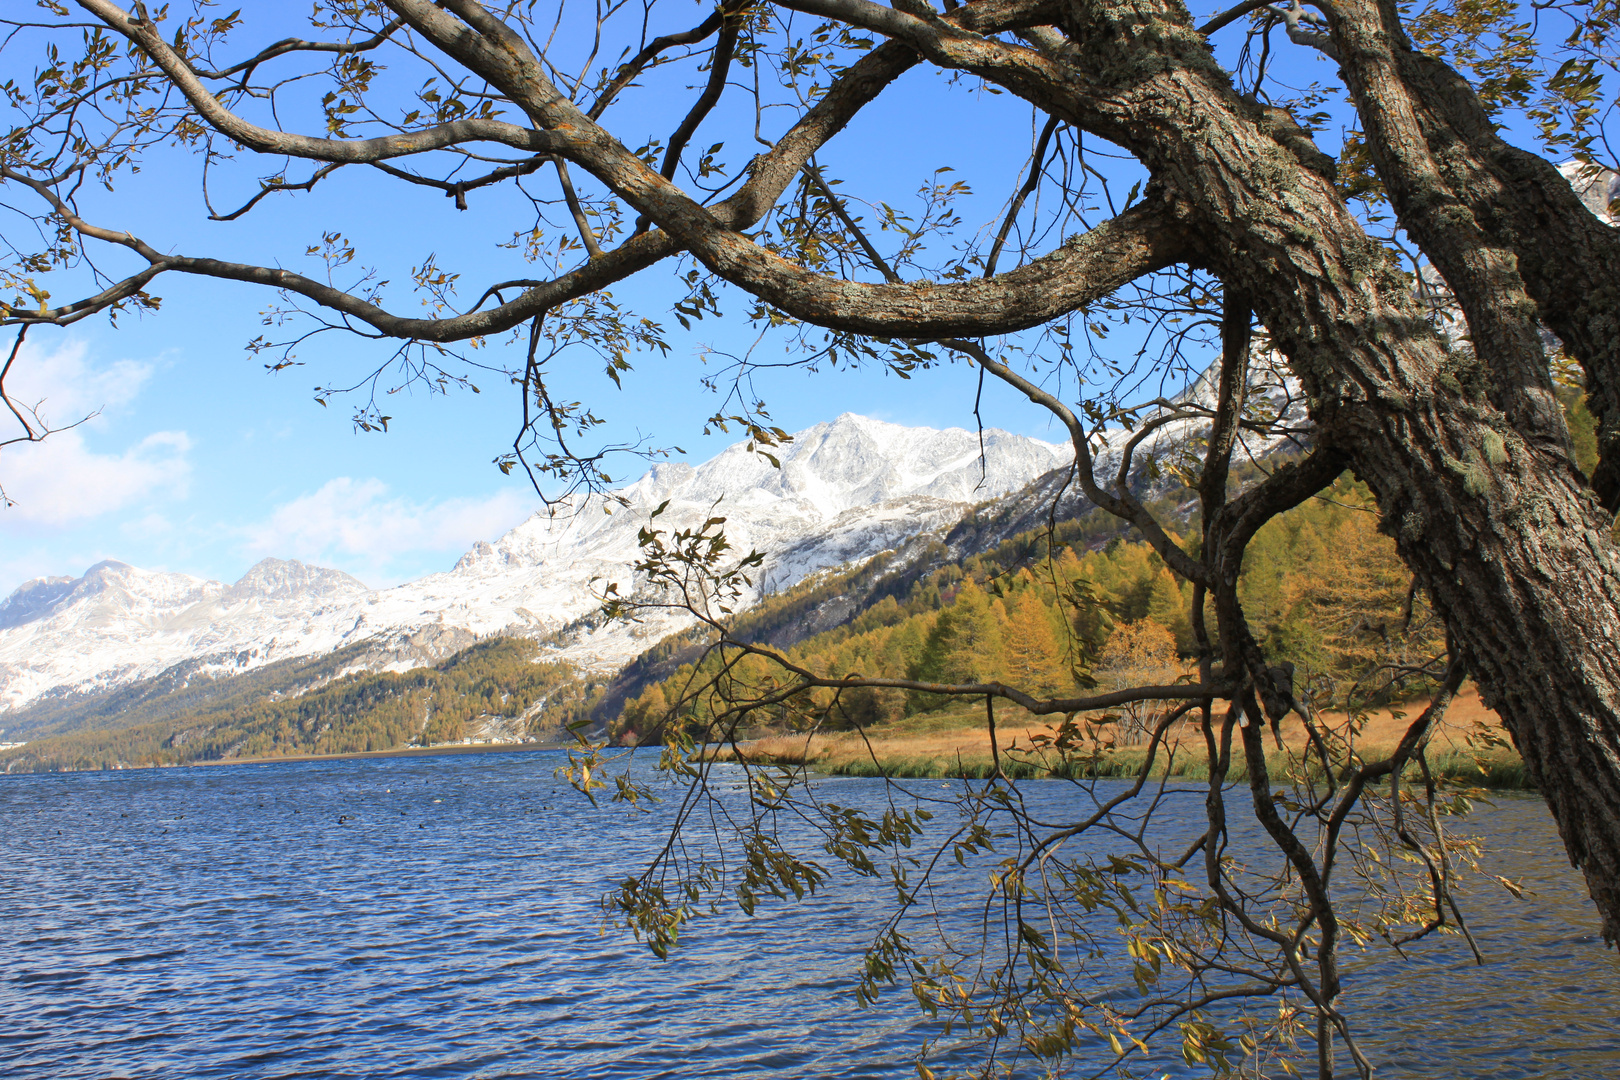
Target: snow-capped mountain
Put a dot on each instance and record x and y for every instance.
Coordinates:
(845, 489)
(118, 623)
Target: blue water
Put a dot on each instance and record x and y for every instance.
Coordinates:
(438, 916)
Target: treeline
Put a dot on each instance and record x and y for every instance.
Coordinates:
(1057, 613)
(495, 683)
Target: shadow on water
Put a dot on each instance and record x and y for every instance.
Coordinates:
(437, 916)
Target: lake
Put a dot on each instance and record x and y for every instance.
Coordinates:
(438, 916)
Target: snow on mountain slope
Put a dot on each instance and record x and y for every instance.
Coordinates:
(846, 489)
(1599, 189)
(118, 623)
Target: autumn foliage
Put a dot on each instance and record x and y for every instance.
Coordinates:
(1322, 586)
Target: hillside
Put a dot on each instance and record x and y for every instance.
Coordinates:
(493, 691)
(1322, 585)
(194, 712)
(1077, 607)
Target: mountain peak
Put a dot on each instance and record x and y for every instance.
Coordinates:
(843, 490)
(33, 599)
(288, 579)
(480, 551)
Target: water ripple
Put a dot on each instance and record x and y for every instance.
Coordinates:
(436, 917)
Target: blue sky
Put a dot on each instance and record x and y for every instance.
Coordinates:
(198, 460)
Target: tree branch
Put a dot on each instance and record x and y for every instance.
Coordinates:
(340, 151)
(719, 68)
(628, 71)
(292, 45)
(1122, 505)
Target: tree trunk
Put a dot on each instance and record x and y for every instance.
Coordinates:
(1496, 523)
(1466, 195)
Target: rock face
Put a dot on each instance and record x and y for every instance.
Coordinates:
(845, 490)
(273, 580)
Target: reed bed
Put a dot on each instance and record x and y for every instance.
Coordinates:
(953, 744)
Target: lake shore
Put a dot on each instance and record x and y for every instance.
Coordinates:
(400, 751)
(954, 743)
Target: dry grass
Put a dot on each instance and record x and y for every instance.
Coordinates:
(954, 743)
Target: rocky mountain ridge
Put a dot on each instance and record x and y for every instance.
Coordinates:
(845, 489)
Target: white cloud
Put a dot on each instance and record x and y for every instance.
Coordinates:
(67, 388)
(61, 481)
(359, 522)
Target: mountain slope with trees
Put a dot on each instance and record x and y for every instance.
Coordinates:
(1323, 586)
(492, 688)
(1324, 589)
(1042, 605)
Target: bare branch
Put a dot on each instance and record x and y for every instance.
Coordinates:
(273, 188)
(1122, 504)
(637, 64)
(587, 235)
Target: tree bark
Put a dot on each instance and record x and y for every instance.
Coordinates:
(1465, 194)
(1465, 453)
(1489, 513)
